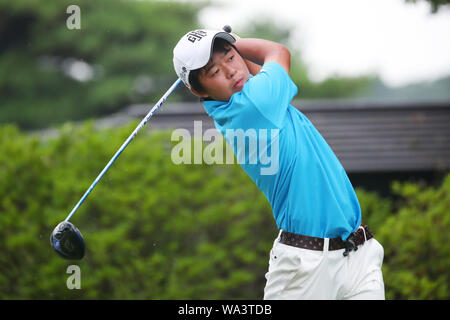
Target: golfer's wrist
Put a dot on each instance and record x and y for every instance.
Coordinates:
(257, 50)
(261, 51)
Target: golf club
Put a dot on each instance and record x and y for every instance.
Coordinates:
(66, 239)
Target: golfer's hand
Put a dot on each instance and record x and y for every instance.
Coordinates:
(261, 51)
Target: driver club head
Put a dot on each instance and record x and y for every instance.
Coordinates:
(67, 241)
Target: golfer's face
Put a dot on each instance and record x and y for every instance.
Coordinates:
(224, 75)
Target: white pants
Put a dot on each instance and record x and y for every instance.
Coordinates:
(296, 273)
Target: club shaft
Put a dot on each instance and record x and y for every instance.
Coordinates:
(124, 145)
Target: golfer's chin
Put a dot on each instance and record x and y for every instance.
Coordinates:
(238, 87)
(227, 96)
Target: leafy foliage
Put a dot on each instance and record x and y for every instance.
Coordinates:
(153, 229)
(374, 209)
(417, 251)
(436, 5)
(121, 55)
(156, 230)
(50, 74)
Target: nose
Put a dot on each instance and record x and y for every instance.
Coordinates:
(230, 71)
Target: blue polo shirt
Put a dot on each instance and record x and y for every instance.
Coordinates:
(286, 157)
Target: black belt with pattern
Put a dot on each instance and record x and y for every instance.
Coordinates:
(312, 243)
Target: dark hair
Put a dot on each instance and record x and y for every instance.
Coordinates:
(220, 45)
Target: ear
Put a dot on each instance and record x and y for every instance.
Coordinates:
(198, 94)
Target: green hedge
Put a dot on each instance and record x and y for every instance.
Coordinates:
(156, 230)
(417, 243)
(153, 229)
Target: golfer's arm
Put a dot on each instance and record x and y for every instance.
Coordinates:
(261, 51)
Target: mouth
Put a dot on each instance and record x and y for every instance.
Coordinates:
(239, 84)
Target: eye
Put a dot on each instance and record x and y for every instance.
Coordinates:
(215, 72)
(231, 58)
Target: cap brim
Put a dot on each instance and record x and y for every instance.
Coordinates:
(221, 35)
(225, 36)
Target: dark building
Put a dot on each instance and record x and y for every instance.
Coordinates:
(377, 142)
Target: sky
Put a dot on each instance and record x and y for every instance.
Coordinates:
(401, 42)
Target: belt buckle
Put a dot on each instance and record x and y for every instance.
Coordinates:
(350, 244)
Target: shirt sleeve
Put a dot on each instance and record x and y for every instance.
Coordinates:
(271, 91)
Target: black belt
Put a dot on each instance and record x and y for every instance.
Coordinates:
(312, 243)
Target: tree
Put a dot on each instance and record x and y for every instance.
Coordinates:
(435, 4)
(121, 54)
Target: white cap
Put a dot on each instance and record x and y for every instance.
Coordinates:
(194, 50)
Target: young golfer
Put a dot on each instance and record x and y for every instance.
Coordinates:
(322, 251)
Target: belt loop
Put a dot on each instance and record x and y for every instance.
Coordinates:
(279, 235)
(365, 237)
(326, 245)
